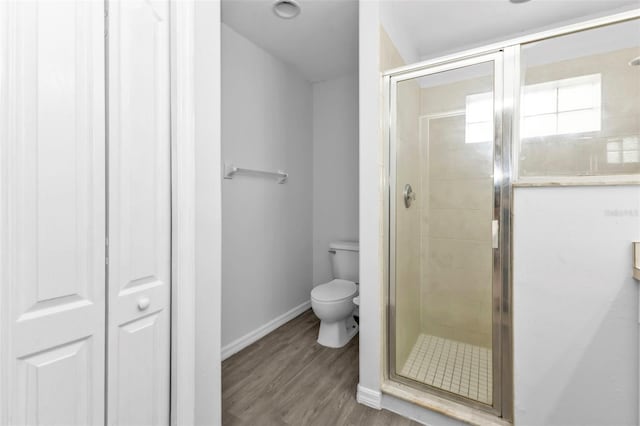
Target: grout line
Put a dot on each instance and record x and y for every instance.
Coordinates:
(451, 365)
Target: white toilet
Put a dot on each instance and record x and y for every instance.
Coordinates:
(332, 302)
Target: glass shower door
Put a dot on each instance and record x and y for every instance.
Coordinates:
(444, 269)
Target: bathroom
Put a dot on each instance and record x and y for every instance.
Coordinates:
(441, 304)
(320, 212)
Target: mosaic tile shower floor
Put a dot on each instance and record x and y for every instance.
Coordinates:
(456, 367)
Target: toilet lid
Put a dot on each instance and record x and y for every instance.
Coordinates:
(334, 291)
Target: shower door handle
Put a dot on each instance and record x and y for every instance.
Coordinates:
(409, 195)
(495, 234)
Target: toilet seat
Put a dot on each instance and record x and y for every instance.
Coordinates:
(334, 291)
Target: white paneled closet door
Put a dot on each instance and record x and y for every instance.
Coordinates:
(52, 213)
(139, 225)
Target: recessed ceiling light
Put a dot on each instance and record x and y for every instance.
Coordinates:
(518, 1)
(635, 62)
(286, 9)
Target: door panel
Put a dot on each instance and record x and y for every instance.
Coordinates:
(41, 375)
(140, 337)
(139, 213)
(53, 212)
(444, 214)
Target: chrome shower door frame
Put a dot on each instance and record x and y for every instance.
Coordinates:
(504, 62)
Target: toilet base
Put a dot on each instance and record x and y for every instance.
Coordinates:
(337, 334)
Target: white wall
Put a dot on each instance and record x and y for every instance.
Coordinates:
(371, 175)
(266, 227)
(575, 306)
(335, 168)
(207, 390)
(397, 31)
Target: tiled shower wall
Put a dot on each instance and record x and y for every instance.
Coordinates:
(407, 220)
(456, 218)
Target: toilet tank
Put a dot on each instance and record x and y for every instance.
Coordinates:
(344, 260)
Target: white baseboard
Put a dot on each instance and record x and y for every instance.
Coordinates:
(369, 397)
(244, 341)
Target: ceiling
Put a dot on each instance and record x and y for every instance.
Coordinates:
(322, 42)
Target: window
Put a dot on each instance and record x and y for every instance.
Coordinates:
(479, 118)
(624, 151)
(559, 107)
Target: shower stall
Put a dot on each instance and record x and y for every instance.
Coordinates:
(459, 131)
(449, 197)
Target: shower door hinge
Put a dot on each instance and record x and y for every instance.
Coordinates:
(495, 234)
(106, 24)
(636, 260)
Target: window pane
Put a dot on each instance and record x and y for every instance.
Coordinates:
(631, 156)
(631, 143)
(539, 99)
(479, 132)
(613, 157)
(579, 121)
(614, 146)
(479, 107)
(539, 125)
(595, 128)
(579, 93)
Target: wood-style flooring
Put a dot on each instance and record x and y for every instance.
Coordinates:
(287, 378)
